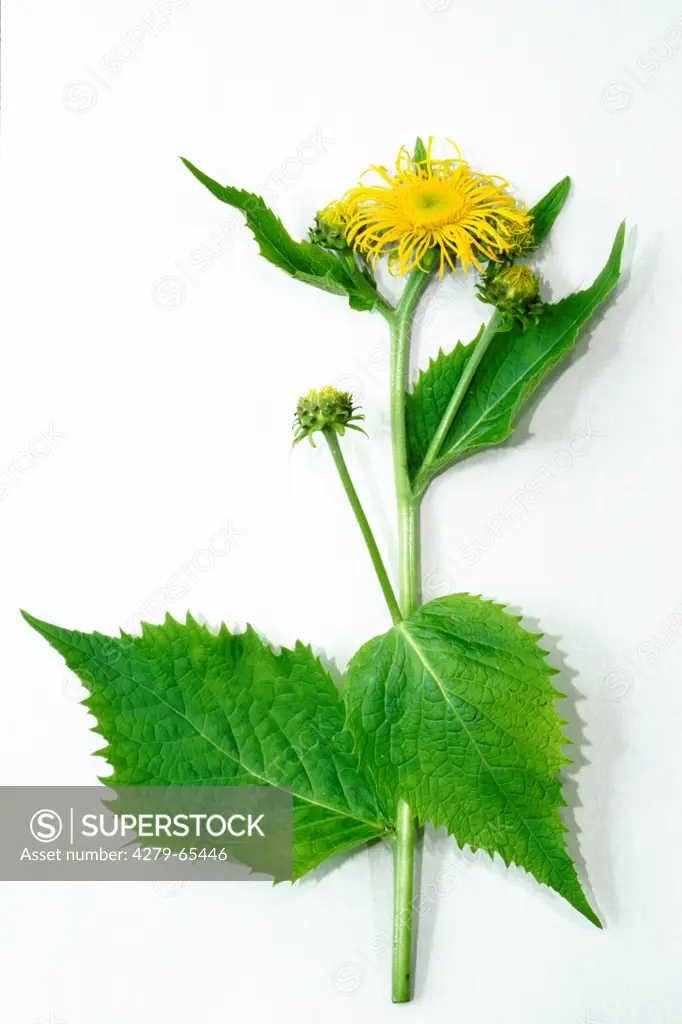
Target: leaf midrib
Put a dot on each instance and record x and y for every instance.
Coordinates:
(402, 629)
(456, 448)
(315, 803)
(303, 260)
(296, 796)
(281, 237)
(256, 775)
(254, 219)
(414, 644)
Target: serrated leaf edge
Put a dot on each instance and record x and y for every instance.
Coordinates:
(45, 627)
(556, 695)
(454, 452)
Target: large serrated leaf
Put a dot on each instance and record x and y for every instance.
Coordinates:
(182, 706)
(517, 360)
(453, 711)
(304, 261)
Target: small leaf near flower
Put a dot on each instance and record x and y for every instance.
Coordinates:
(419, 155)
(546, 211)
(304, 261)
(516, 362)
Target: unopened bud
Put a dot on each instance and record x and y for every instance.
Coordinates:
(513, 290)
(522, 240)
(325, 408)
(330, 226)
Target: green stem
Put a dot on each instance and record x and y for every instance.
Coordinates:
(427, 467)
(408, 506)
(408, 536)
(374, 553)
(403, 887)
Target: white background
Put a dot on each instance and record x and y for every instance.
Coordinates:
(141, 328)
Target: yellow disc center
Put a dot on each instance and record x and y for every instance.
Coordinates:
(430, 204)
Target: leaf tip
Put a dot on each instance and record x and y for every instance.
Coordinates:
(39, 625)
(618, 242)
(589, 913)
(419, 150)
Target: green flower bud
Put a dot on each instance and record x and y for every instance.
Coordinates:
(330, 227)
(522, 241)
(513, 290)
(325, 408)
(516, 286)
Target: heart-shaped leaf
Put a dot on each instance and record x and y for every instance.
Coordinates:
(453, 711)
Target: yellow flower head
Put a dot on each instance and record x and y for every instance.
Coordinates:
(429, 204)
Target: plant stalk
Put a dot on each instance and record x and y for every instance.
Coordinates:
(363, 523)
(408, 537)
(408, 506)
(403, 888)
